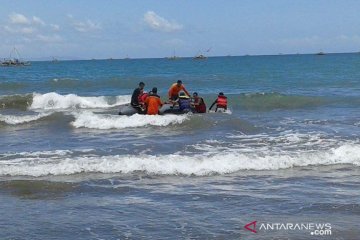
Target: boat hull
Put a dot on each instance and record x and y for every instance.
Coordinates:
(167, 108)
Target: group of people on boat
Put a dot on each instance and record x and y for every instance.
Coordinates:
(150, 103)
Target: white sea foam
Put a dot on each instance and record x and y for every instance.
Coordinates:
(220, 110)
(55, 101)
(87, 119)
(20, 119)
(174, 164)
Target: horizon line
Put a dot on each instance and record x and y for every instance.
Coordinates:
(178, 57)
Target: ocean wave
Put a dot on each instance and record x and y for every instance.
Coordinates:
(72, 101)
(250, 101)
(16, 101)
(91, 120)
(55, 101)
(65, 82)
(271, 101)
(21, 119)
(177, 164)
(12, 85)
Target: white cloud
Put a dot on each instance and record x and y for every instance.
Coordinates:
(55, 27)
(86, 26)
(158, 23)
(17, 18)
(38, 21)
(9, 29)
(49, 38)
(21, 30)
(27, 30)
(20, 24)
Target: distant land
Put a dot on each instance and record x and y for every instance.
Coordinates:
(73, 58)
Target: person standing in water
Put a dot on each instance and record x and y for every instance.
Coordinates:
(135, 97)
(184, 102)
(153, 103)
(199, 103)
(221, 102)
(175, 89)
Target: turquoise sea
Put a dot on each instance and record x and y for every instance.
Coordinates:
(286, 153)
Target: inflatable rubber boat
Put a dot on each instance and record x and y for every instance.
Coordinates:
(167, 108)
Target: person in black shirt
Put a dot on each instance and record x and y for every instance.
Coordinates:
(135, 96)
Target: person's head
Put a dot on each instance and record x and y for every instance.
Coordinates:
(221, 94)
(195, 95)
(154, 90)
(179, 83)
(141, 85)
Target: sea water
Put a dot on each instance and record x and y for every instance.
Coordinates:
(286, 152)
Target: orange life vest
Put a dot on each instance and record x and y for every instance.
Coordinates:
(221, 102)
(153, 104)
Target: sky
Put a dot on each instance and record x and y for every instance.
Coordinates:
(86, 29)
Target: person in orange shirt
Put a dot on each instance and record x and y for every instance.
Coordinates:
(153, 103)
(175, 89)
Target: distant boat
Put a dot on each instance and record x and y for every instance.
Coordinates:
(320, 53)
(54, 60)
(200, 57)
(173, 57)
(14, 60)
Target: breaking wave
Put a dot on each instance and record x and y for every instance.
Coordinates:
(16, 119)
(55, 101)
(105, 121)
(64, 163)
(72, 101)
(251, 101)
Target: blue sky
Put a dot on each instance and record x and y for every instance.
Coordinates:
(85, 29)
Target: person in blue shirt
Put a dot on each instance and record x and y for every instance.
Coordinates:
(184, 102)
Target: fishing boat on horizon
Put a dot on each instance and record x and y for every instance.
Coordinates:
(54, 60)
(173, 57)
(14, 60)
(201, 56)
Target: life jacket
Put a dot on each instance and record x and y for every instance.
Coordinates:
(201, 108)
(184, 103)
(142, 97)
(153, 103)
(221, 102)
